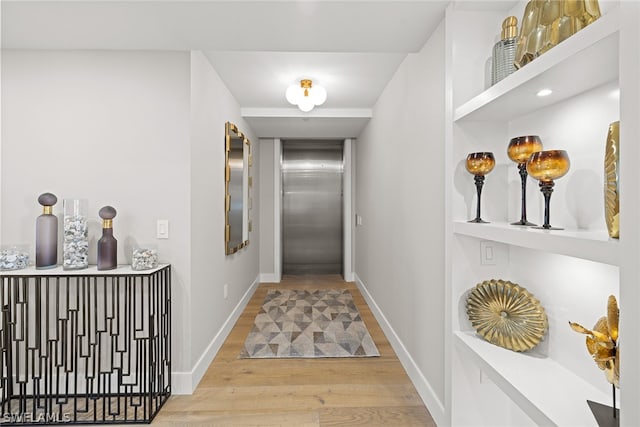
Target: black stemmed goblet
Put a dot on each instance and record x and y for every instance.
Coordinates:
(519, 150)
(480, 164)
(545, 166)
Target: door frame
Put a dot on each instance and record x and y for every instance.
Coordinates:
(348, 186)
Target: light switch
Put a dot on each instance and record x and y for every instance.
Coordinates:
(358, 220)
(162, 229)
(487, 253)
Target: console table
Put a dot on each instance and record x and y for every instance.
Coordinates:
(84, 346)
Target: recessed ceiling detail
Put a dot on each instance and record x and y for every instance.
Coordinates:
(258, 48)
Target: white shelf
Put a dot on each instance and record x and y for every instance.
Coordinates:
(590, 245)
(546, 391)
(567, 69)
(92, 270)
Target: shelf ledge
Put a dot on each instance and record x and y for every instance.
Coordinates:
(545, 390)
(590, 245)
(567, 69)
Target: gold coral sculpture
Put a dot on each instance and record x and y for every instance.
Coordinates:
(602, 341)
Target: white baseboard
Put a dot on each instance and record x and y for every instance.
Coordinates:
(428, 396)
(268, 278)
(186, 382)
(181, 383)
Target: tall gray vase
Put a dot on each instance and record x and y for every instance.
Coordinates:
(47, 233)
(107, 245)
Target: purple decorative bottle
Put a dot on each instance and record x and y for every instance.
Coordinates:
(47, 233)
(107, 245)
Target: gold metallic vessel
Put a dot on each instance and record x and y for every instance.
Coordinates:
(546, 23)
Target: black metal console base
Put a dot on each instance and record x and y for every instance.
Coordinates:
(84, 347)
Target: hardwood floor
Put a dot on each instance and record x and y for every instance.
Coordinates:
(373, 391)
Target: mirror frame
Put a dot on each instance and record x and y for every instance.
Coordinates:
(232, 132)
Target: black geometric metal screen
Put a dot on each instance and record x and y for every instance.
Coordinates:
(84, 348)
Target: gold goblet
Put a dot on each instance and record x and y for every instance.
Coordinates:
(545, 166)
(480, 164)
(519, 150)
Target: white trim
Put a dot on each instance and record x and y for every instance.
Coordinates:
(277, 211)
(181, 383)
(348, 113)
(449, 26)
(186, 382)
(268, 278)
(426, 392)
(347, 209)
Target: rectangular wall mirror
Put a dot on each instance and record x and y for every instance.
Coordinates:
(237, 185)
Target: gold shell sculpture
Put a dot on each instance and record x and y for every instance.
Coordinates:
(602, 341)
(611, 169)
(507, 315)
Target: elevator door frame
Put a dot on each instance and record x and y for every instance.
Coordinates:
(312, 223)
(348, 210)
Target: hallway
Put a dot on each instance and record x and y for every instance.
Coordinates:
(300, 392)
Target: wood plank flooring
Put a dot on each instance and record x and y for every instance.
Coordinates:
(373, 391)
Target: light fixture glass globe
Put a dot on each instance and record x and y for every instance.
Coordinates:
(319, 95)
(306, 105)
(293, 94)
(305, 95)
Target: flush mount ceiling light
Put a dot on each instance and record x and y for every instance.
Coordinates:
(306, 95)
(544, 92)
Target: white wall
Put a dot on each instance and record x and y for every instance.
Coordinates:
(144, 132)
(400, 196)
(211, 106)
(267, 197)
(109, 127)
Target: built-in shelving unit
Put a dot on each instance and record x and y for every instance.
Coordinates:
(571, 271)
(569, 65)
(551, 399)
(585, 244)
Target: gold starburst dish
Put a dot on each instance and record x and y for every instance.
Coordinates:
(507, 315)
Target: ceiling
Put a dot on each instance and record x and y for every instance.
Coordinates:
(259, 48)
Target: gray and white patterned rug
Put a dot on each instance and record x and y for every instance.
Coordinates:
(307, 324)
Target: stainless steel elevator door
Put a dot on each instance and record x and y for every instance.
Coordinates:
(312, 207)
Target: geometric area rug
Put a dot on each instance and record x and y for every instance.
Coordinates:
(308, 324)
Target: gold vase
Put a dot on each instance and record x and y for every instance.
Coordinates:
(546, 23)
(611, 170)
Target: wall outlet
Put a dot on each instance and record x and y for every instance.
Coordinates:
(226, 291)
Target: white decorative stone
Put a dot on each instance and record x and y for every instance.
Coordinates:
(144, 259)
(76, 244)
(13, 259)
